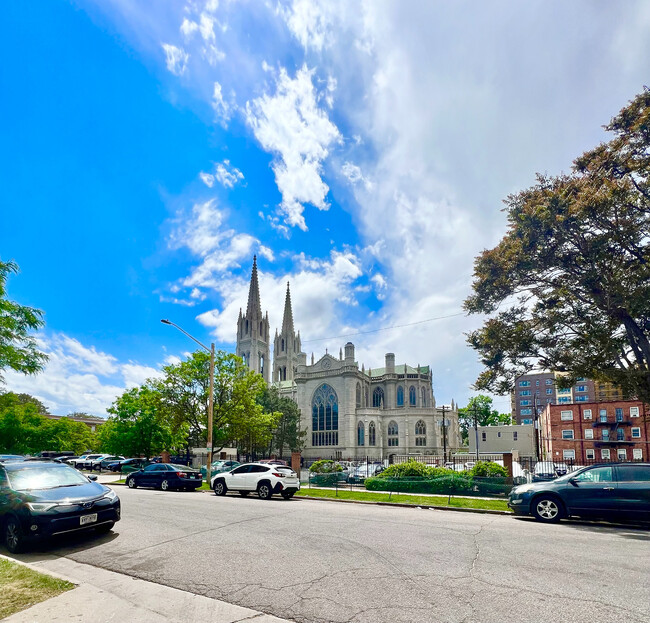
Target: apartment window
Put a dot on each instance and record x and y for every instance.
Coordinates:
(605, 435)
(549, 381)
(637, 454)
(619, 415)
(564, 399)
(537, 383)
(549, 392)
(634, 411)
(514, 436)
(483, 436)
(581, 398)
(537, 392)
(603, 415)
(524, 383)
(525, 403)
(636, 432)
(526, 421)
(604, 453)
(581, 388)
(568, 454)
(567, 434)
(499, 434)
(566, 415)
(621, 454)
(564, 390)
(620, 434)
(526, 412)
(590, 453)
(581, 378)
(589, 433)
(587, 414)
(524, 392)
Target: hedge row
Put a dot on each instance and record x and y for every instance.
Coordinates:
(448, 484)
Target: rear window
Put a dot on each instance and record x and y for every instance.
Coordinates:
(634, 473)
(283, 468)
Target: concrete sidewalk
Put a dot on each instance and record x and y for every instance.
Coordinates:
(103, 596)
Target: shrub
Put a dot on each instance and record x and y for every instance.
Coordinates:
(409, 469)
(488, 469)
(325, 466)
(450, 482)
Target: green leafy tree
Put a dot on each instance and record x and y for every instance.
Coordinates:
(23, 430)
(9, 398)
(287, 434)
(18, 349)
(480, 407)
(140, 425)
(568, 286)
(66, 434)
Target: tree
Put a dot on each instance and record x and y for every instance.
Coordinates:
(480, 407)
(287, 433)
(18, 349)
(140, 425)
(8, 398)
(569, 284)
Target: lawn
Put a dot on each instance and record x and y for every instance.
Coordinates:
(415, 500)
(22, 587)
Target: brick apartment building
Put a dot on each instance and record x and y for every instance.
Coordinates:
(595, 431)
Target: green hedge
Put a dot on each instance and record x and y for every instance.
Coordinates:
(452, 483)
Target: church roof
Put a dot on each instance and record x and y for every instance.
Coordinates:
(399, 369)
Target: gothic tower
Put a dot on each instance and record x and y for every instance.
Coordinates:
(253, 331)
(286, 346)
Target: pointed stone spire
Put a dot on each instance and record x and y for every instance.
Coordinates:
(341, 354)
(287, 318)
(312, 359)
(254, 308)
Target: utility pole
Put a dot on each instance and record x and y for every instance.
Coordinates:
(444, 434)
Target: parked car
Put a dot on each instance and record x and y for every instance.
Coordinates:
(39, 499)
(165, 476)
(9, 458)
(105, 462)
(359, 474)
(273, 462)
(609, 490)
(548, 470)
(79, 461)
(261, 477)
(216, 467)
(93, 464)
(131, 465)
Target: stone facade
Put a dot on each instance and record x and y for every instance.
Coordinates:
(346, 410)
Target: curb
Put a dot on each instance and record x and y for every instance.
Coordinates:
(52, 574)
(484, 511)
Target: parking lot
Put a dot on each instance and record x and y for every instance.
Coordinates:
(313, 561)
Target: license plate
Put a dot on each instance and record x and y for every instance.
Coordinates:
(84, 519)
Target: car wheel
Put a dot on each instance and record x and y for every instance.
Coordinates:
(131, 484)
(107, 527)
(286, 495)
(244, 493)
(14, 536)
(220, 488)
(264, 491)
(164, 485)
(547, 508)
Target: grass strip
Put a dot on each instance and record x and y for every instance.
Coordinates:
(22, 587)
(415, 500)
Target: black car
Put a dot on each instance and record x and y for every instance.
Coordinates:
(165, 476)
(608, 490)
(40, 499)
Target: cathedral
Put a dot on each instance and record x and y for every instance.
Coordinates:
(348, 411)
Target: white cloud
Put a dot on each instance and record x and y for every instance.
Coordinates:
(227, 174)
(291, 125)
(207, 179)
(176, 59)
(353, 173)
(188, 27)
(220, 106)
(310, 23)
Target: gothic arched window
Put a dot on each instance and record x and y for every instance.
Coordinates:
(423, 392)
(371, 434)
(420, 433)
(325, 417)
(400, 396)
(412, 395)
(361, 433)
(378, 397)
(365, 395)
(358, 395)
(282, 346)
(393, 432)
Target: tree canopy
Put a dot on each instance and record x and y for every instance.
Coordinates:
(568, 286)
(18, 349)
(480, 407)
(287, 434)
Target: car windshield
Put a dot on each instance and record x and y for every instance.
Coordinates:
(44, 477)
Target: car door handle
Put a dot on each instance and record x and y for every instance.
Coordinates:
(608, 488)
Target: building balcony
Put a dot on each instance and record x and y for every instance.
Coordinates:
(612, 423)
(613, 442)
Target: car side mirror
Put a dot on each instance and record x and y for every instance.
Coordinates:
(92, 477)
(573, 481)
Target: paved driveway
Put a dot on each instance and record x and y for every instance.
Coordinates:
(314, 561)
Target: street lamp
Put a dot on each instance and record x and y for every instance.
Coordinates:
(210, 397)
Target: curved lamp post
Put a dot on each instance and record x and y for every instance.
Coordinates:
(210, 397)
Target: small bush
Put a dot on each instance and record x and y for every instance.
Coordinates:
(325, 466)
(488, 469)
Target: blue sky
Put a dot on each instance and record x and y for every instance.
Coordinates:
(360, 149)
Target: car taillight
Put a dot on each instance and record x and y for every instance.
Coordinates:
(181, 474)
(278, 475)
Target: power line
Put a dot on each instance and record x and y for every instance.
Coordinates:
(397, 326)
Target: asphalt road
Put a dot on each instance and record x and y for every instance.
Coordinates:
(316, 562)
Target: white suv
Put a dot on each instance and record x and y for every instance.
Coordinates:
(263, 478)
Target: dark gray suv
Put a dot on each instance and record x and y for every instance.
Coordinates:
(607, 490)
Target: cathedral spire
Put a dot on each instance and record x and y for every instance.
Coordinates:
(254, 308)
(287, 319)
